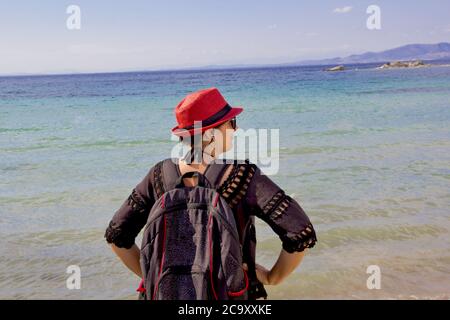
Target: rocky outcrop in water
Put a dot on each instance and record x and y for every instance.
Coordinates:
(404, 64)
(337, 68)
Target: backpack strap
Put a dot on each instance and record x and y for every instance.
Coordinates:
(167, 173)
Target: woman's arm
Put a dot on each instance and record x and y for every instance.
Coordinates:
(128, 221)
(285, 265)
(287, 219)
(130, 257)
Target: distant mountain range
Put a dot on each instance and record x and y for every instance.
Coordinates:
(408, 52)
(439, 51)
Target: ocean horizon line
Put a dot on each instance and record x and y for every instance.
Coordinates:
(401, 53)
(210, 68)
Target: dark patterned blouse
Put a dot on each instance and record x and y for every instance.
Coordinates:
(246, 189)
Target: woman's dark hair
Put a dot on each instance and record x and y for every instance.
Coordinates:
(196, 148)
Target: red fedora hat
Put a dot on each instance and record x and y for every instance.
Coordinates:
(206, 105)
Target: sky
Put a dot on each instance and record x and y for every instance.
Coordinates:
(169, 34)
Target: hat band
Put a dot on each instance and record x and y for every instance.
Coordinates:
(214, 118)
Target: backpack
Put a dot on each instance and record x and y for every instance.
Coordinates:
(190, 248)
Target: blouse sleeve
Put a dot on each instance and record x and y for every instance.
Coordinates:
(282, 213)
(132, 216)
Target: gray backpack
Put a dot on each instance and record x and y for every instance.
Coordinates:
(190, 248)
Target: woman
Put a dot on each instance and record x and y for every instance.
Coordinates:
(248, 192)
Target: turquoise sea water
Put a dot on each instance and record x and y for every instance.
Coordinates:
(365, 152)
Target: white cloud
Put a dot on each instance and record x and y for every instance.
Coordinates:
(272, 26)
(346, 9)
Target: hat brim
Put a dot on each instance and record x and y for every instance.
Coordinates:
(230, 115)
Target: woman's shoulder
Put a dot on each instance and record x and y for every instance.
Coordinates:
(237, 180)
(237, 177)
